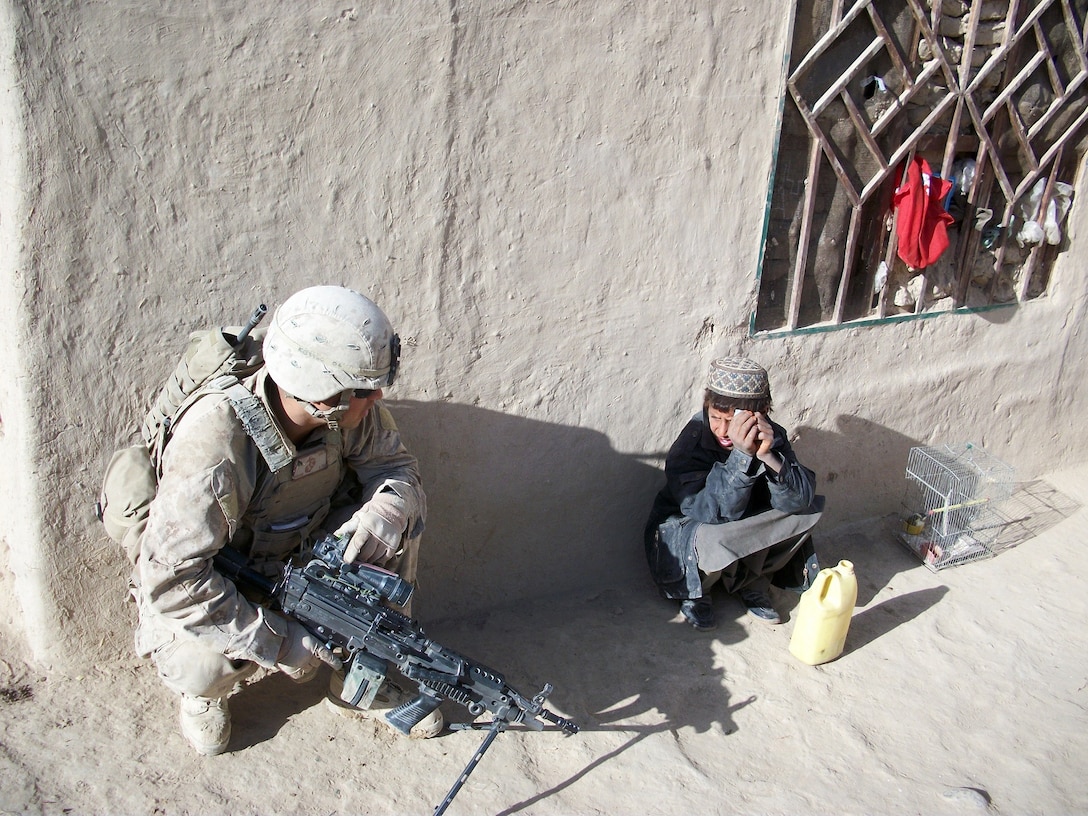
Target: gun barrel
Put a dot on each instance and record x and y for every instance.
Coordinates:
(251, 324)
(568, 726)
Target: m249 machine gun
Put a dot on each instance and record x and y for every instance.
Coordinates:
(344, 605)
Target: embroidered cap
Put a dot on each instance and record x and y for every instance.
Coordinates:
(738, 377)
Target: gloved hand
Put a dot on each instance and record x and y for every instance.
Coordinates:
(302, 654)
(375, 530)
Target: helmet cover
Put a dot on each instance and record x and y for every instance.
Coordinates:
(325, 340)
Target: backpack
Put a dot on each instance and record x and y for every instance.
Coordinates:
(215, 360)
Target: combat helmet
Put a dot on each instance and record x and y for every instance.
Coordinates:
(326, 340)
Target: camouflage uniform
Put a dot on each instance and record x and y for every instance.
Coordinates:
(216, 491)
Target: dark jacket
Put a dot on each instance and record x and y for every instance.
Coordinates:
(705, 483)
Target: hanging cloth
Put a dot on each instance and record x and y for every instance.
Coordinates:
(922, 222)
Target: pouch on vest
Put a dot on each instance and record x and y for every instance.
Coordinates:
(127, 491)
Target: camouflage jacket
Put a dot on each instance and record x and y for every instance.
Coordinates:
(217, 490)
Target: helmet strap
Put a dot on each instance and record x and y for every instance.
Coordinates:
(330, 416)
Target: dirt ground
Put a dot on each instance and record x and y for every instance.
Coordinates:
(961, 691)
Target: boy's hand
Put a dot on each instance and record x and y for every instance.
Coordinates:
(744, 432)
(751, 433)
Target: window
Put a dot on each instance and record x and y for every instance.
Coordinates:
(990, 96)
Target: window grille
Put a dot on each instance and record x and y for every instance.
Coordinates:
(990, 93)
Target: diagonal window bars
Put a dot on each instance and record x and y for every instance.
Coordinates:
(988, 95)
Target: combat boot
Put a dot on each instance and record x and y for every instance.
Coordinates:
(205, 722)
(389, 696)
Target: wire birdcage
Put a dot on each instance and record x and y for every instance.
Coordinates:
(953, 498)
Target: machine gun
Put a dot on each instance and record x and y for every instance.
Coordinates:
(342, 604)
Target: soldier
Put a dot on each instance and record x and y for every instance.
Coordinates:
(737, 506)
(301, 447)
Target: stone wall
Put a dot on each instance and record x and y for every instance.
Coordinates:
(559, 204)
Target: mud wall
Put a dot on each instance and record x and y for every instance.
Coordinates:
(560, 206)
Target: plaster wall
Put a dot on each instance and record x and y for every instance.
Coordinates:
(558, 204)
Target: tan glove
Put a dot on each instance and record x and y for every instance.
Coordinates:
(301, 654)
(375, 530)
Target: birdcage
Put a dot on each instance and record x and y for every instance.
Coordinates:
(954, 498)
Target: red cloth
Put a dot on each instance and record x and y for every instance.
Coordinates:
(922, 223)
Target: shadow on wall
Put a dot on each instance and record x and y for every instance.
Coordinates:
(519, 508)
(861, 467)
